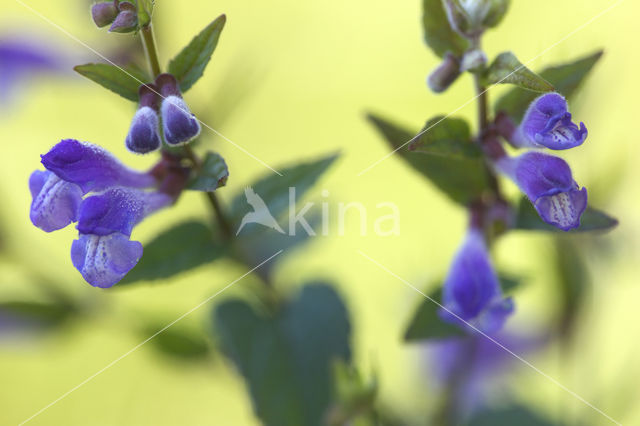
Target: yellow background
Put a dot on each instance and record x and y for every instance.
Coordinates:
(311, 71)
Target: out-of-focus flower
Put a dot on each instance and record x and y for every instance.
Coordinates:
(144, 133)
(471, 291)
(116, 202)
(21, 59)
(179, 125)
(104, 13)
(548, 183)
(547, 124)
(445, 74)
(127, 19)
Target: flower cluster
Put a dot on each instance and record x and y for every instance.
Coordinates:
(546, 180)
(84, 183)
(179, 125)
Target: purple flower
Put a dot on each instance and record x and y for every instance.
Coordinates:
(104, 13)
(548, 183)
(55, 201)
(106, 217)
(20, 60)
(471, 291)
(547, 123)
(144, 136)
(103, 252)
(92, 167)
(178, 124)
(474, 363)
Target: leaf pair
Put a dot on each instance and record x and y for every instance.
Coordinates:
(187, 67)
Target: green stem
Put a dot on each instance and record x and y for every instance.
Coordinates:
(148, 41)
(483, 125)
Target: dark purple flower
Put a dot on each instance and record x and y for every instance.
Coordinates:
(548, 183)
(144, 134)
(92, 167)
(103, 252)
(55, 201)
(178, 124)
(471, 291)
(127, 19)
(547, 123)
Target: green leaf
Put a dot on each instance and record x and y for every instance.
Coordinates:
(188, 66)
(509, 416)
(145, 10)
(565, 78)
(181, 248)
(527, 218)
(213, 174)
(179, 342)
(438, 34)
(426, 323)
(124, 83)
(497, 10)
(446, 137)
(286, 357)
(274, 189)
(507, 69)
(36, 315)
(461, 177)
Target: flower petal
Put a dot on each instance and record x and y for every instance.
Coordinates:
(92, 167)
(103, 260)
(563, 210)
(118, 210)
(179, 125)
(55, 202)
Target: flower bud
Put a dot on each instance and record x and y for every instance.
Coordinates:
(178, 123)
(127, 19)
(104, 14)
(144, 135)
(445, 74)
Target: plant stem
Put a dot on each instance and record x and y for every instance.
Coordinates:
(148, 41)
(483, 126)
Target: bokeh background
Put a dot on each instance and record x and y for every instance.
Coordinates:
(289, 81)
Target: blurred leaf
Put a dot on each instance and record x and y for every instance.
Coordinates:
(274, 189)
(354, 397)
(498, 9)
(527, 218)
(213, 174)
(181, 248)
(507, 69)
(509, 283)
(26, 314)
(124, 83)
(188, 66)
(180, 343)
(450, 138)
(565, 78)
(573, 279)
(145, 10)
(426, 323)
(461, 178)
(438, 34)
(520, 416)
(286, 357)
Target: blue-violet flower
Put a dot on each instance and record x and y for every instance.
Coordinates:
(144, 134)
(547, 124)
(548, 183)
(471, 291)
(178, 123)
